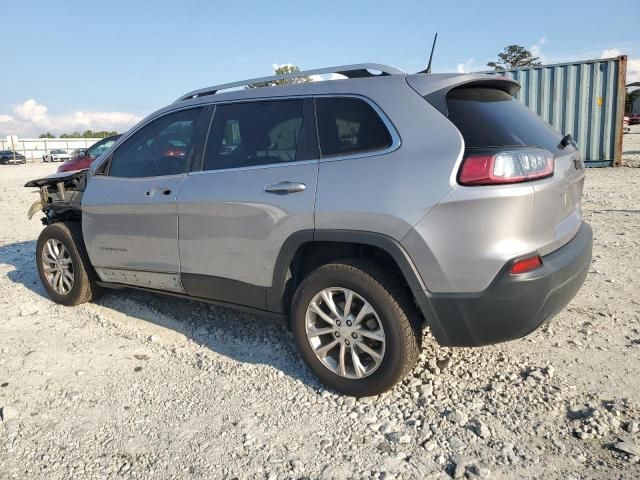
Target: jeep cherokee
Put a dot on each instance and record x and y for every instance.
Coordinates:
(360, 209)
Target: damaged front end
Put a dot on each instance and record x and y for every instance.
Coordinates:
(60, 196)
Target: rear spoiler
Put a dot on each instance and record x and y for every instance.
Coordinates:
(435, 87)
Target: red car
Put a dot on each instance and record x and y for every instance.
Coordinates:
(84, 157)
(634, 118)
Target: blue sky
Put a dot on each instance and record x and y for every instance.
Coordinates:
(69, 65)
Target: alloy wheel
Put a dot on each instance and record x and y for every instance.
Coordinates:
(57, 266)
(345, 332)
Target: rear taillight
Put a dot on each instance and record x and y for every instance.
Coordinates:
(525, 265)
(506, 166)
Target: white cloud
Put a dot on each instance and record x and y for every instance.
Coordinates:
(536, 49)
(31, 111)
(32, 118)
(610, 53)
(327, 76)
(633, 65)
(633, 70)
(464, 67)
(469, 66)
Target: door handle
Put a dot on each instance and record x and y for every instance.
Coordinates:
(283, 188)
(154, 191)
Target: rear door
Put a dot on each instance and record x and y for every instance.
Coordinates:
(255, 189)
(130, 219)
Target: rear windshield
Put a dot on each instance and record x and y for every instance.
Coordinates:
(492, 118)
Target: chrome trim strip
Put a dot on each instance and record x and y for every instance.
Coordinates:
(128, 134)
(256, 167)
(396, 141)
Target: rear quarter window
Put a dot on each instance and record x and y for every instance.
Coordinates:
(489, 118)
(348, 126)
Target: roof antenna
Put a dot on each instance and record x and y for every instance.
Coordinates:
(433, 47)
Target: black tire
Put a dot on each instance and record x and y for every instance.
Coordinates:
(396, 312)
(84, 287)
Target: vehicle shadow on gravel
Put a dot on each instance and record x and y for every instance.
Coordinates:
(243, 337)
(21, 256)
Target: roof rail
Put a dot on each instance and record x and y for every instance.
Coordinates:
(361, 70)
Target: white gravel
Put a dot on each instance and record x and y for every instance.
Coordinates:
(139, 385)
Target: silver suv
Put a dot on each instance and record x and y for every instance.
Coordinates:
(361, 210)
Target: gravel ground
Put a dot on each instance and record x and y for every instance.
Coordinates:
(138, 385)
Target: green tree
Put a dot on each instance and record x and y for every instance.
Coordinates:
(47, 135)
(514, 56)
(71, 135)
(104, 133)
(89, 134)
(630, 99)
(282, 69)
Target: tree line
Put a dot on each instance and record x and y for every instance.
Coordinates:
(85, 134)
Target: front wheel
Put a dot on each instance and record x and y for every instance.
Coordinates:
(63, 264)
(355, 327)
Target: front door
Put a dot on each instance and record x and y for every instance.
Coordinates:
(255, 189)
(130, 220)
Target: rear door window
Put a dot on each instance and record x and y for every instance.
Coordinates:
(489, 118)
(255, 133)
(348, 126)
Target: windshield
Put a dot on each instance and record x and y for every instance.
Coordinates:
(58, 151)
(97, 150)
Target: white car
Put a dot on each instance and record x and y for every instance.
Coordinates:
(56, 155)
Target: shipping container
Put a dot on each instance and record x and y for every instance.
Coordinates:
(585, 99)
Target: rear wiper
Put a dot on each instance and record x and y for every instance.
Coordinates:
(566, 141)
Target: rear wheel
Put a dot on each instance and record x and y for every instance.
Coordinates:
(63, 264)
(353, 326)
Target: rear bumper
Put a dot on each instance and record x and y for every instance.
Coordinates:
(513, 305)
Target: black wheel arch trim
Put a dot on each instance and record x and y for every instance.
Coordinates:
(276, 293)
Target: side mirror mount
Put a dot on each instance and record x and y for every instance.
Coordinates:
(102, 168)
(82, 153)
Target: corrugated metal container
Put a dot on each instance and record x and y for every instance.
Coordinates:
(585, 99)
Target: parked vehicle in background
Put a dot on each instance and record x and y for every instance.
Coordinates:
(56, 155)
(8, 157)
(360, 210)
(625, 124)
(84, 157)
(634, 118)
